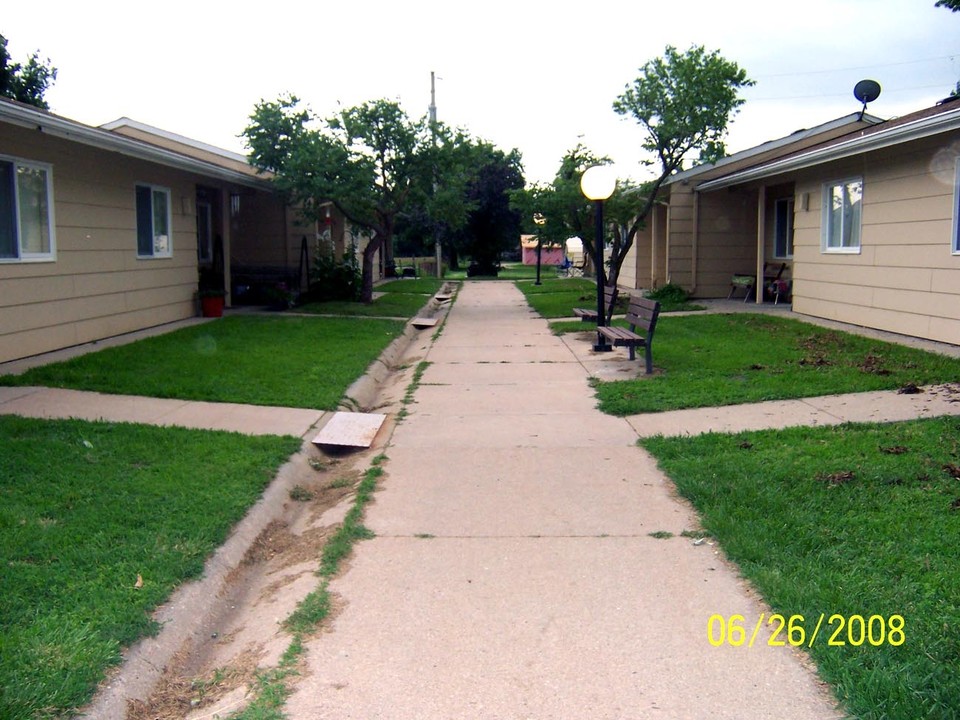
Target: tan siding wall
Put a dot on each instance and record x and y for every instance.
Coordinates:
(97, 286)
(727, 241)
(905, 279)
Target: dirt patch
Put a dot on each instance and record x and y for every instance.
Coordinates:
(220, 663)
(837, 478)
(873, 365)
(176, 696)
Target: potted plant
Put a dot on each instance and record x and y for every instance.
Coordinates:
(211, 302)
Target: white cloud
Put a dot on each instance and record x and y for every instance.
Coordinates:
(538, 76)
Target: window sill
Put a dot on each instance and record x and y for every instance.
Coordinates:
(27, 260)
(840, 251)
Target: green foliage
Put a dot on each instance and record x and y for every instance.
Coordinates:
(366, 160)
(332, 279)
(669, 293)
(710, 360)
(849, 520)
(683, 102)
(87, 509)
(26, 83)
(297, 362)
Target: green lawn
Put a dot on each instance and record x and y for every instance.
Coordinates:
(710, 360)
(86, 509)
(557, 297)
(260, 360)
(401, 299)
(857, 520)
(508, 271)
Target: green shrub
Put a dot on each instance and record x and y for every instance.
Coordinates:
(669, 293)
(332, 279)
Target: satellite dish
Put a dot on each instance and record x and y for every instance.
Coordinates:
(866, 91)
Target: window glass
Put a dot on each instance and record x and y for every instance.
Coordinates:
(153, 221)
(34, 214)
(26, 211)
(161, 223)
(842, 208)
(8, 215)
(783, 228)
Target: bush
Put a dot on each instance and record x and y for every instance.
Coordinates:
(332, 279)
(669, 293)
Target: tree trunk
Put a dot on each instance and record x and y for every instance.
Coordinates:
(366, 268)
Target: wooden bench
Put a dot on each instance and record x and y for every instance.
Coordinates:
(642, 317)
(590, 314)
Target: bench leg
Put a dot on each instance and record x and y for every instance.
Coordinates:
(649, 358)
(632, 351)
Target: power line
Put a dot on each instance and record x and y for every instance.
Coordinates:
(815, 96)
(859, 67)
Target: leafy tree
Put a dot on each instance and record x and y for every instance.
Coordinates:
(493, 226)
(26, 83)
(683, 102)
(465, 204)
(366, 160)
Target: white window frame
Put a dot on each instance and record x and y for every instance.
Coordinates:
(825, 246)
(789, 203)
(156, 251)
(955, 247)
(27, 257)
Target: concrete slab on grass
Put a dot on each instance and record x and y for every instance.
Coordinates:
(348, 429)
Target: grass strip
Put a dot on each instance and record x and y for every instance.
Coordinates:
(99, 522)
(259, 360)
(712, 360)
(395, 299)
(855, 520)
(274, 685)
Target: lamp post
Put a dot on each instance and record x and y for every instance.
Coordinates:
(540, 221)
(598, 183)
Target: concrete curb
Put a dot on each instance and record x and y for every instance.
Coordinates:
(193, 605)
(362, 394)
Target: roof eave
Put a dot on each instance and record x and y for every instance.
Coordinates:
(917, 130)
(23, 116)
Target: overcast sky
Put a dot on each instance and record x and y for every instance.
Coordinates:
(536, 76)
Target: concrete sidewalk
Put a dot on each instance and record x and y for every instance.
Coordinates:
(44, 402)
(513, 575)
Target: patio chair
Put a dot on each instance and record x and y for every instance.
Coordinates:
(748, 283)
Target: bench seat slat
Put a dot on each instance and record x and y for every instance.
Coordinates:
(642, 315)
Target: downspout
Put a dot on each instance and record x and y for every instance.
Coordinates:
(761, 232)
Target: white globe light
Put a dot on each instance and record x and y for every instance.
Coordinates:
(598, 182)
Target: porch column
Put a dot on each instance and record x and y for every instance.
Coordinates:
(654, 228)
(761, 226)
(226, 227)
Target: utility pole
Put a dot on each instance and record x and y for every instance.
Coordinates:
(433, 129)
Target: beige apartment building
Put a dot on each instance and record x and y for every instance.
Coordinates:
(860, 214)
(109, 230)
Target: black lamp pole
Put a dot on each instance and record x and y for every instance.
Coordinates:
(598, 183)
(539, 220)
(539, 246)
(601, 345)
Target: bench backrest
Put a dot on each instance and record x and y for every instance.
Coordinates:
(642, 315)
(609, 297)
